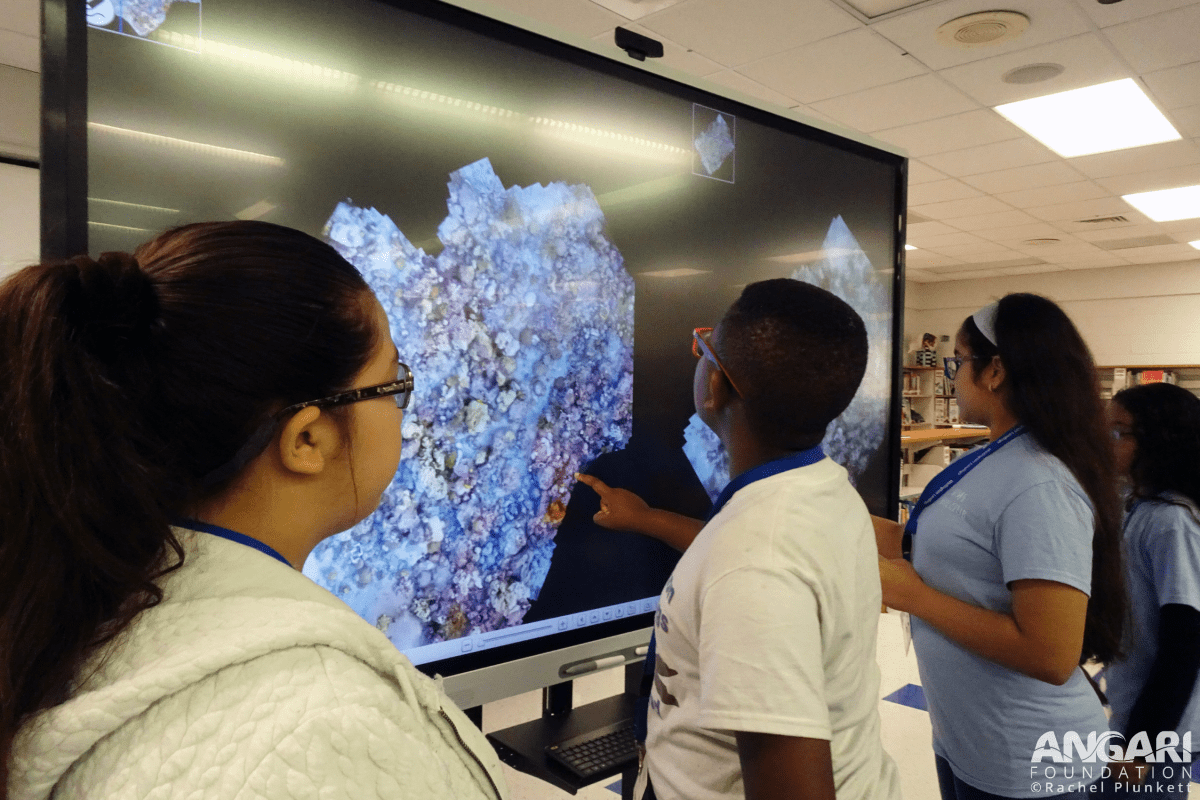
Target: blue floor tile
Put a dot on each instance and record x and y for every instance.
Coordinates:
(909, 695)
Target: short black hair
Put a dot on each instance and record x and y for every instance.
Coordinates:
(798, 352)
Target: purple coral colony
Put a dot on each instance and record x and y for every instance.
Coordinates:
(520, 335)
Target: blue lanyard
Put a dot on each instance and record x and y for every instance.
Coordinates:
(233, 536)
(958, 469)
(802, 459)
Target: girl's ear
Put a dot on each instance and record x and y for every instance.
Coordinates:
(996, 374)
(307, 441)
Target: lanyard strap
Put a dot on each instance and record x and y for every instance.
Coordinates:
(958, 469)
(233, 536)
(802, 459)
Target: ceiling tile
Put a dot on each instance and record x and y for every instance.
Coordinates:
(839, 65)
(945, 239)
(1082, 209)
(952, 133)
(985, 252)
(1186, 120)
(1175, 87)
(674, 56)
(901, 103)
(998, 256)
(1090, 261)
(23, 17)
(939, 191)
(1031, 269)
(1154, 43)
(1116, 13)
(21, 51)
(1184, 230)
(1150, 181)
(919, 172)
(962, 208)
(930, 229)
(1050, 195)
(735, 80)
(999, 219)
(1125, 232)
(734, 32)
(1160, 254)
(1087, 61)
(991, 157)
(1015, 234)
(916, 32)
(1138, 159)
(918, 276)
(924, 259)
(1031, 177)
(577, 16)
(972, 276)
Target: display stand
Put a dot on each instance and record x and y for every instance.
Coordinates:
(523, 747)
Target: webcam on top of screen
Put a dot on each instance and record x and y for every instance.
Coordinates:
(637, 46)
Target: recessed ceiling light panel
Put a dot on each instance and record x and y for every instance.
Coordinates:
(1095, 119)
(1195, 244)
(1167, 205)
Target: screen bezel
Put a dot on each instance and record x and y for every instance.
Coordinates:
(64, 207)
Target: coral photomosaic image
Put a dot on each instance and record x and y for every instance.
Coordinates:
(543, 248)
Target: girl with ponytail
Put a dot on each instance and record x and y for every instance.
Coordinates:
(178, 428)
(1015, 577)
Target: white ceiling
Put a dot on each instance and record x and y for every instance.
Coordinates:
(980, 188)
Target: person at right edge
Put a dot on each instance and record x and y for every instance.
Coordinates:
(1153, 690)
(765, 682)
(1015, 577)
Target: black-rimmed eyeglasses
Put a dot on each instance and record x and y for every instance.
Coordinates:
(401, 389)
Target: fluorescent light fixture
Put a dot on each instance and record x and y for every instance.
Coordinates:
(1195, 244)
(1095, 119)
(1166, 205)
(909, 247)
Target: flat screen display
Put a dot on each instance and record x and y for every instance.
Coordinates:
(544, 227)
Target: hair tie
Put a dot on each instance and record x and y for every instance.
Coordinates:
(112, 304)
(985, 320)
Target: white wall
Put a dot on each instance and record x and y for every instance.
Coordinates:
(1142, 315)
(19, 226)
(20, 113)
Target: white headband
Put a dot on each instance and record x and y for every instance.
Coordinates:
(985, 320)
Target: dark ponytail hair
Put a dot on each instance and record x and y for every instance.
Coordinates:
(1053, 389)
(124, 382)
(1166, 426)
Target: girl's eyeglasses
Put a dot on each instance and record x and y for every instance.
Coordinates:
(401, 389)
(702, 348)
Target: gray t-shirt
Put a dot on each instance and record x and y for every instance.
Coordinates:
(1162, 566)
(1019, 514)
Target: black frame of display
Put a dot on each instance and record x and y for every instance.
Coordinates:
(64, 209)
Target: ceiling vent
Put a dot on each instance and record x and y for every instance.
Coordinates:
(1041, 242)
(1033, 73)
(1101, 220)
(983, 29)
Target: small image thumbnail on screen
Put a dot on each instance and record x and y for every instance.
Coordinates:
(714, 143)
(173, 22)
(519, 334)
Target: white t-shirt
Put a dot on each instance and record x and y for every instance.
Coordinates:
(768, 625)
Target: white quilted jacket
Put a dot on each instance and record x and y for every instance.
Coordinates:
(249, 681)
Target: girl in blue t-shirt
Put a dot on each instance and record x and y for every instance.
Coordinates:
(1015, 574)
(1153, 688)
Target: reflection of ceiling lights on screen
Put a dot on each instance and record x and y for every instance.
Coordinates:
(138, 206)
(184, 144)
(120, 227)
(575, 133)
(264, 64)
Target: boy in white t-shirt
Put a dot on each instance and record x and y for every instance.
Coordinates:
(765, 679)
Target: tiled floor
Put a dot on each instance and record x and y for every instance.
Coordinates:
(906, 730)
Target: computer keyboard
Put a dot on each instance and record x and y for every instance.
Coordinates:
(597, 753)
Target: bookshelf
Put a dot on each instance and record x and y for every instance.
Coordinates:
(1185, 375)
(927, 399)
